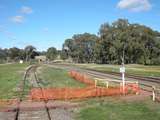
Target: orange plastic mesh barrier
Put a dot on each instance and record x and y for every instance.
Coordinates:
(72, 93)
(131, 88)
(81, 77)
(134, 87)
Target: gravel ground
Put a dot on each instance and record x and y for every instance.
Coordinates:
(33, 115)
(61, 114)
(7, 115)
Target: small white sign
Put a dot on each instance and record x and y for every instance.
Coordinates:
(21, 61)
(122, 69)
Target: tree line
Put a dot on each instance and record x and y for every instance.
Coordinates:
(27, 54)
(138, 44)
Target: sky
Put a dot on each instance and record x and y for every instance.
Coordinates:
(47, 23)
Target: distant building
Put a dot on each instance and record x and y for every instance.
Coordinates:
(41, 58)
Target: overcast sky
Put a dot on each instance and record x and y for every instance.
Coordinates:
(46, 23)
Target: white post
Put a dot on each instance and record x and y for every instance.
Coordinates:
(95, 82)
(153, 94)
(123, 82)
(138, 88)
(107, 84)
(122, 70)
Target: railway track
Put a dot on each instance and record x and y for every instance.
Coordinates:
(145, 82)
(44, 109)
(114, 74)
(149, 79)
(45, 101)
(22, 87)
(23, 115)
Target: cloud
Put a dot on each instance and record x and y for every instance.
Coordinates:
(20, 18)
(135, 5)
(26, 10)
(17, 19)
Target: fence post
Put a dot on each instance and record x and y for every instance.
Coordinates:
(153, 93)
(137, 88)
(107, 84)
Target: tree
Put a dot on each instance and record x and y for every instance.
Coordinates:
(14, 53)
(3, 55)
(51, 53)
(29, 52)
(136, 43)
(80, 47)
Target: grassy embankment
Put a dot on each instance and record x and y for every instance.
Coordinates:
(114, 109)
(142, 70)
(59, 78)
(10, 76)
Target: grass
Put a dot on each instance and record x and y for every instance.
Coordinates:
(142, 70)
(10, 76)
(59, 78)
(119, 110)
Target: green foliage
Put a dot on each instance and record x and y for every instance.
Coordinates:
(3, 55)
(140, 44)
(51, 53)
(29, 52)
(80, 47)
(15, 54)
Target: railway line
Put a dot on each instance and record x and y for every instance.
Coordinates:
(46, 112)
(44, 109)
(22, 87)
(45, 101)
(149, 79)
(21, 115)
(146, 83)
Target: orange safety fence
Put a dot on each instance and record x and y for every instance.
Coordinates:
(81, 77)
(71, 93)
(134, 87)
(131, 87)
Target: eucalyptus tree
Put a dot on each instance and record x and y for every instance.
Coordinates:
(51, 53)
(14, 53)
(120, 40)
(3, 55)
(80, 47)
(29, 52)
